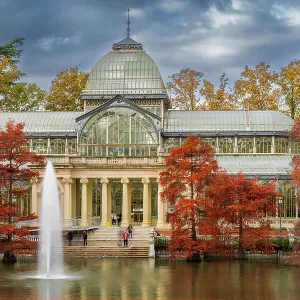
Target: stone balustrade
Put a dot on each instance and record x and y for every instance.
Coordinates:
(134, 161)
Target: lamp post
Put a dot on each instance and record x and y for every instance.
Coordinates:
(280, 209)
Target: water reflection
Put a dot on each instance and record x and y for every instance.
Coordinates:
(50, 289)
(156, 279)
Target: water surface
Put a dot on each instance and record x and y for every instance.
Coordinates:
(154, 279)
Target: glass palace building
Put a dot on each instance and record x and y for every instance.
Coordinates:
(108, 157)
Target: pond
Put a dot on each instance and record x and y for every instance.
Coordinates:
(117, 278)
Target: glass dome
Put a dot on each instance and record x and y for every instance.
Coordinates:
(125, 72)
(119, 131)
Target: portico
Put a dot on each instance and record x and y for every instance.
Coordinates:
(137, 198)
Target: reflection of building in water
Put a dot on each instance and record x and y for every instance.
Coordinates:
(109, 156)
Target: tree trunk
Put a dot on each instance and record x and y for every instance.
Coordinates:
(9, 257)
(241, 253)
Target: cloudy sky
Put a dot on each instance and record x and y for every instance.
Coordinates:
(211, 36)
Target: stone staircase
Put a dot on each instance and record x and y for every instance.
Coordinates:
(94, 251)
(112, 237)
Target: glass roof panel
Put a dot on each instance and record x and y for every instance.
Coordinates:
(125, 72)
(255, 164)
(42, 121)
(187, 121)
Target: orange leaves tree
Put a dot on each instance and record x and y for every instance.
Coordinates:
(256, 89)
(65, 91)
(235, 210)
(295, 137)
(14, 171)
(189, 171)
(183, 89)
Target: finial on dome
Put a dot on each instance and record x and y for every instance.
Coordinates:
(128, 25)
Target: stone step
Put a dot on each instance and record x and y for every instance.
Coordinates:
(92, 251)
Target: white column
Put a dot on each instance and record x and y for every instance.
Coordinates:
(160, 206)
(84, 182)
(34, 196)
(67, 181)
(125, 210)
(104, 213)
(145, 182)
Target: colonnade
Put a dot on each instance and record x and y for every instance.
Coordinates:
(68, 189)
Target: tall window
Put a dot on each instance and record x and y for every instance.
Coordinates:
(40, 146)
(209, 141)
(170, 143)
(96, 197)
(226, 145)
(245, 145)
(281, 145)
(57, 146)
(263, 145)
(72, 144)
(289, 200)
(295, 147)
(120, 131)
(154, 200)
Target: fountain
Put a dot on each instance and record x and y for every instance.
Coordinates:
(50, 262)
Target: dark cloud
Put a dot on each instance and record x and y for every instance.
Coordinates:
(209, 36)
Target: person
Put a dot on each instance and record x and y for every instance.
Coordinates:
(85, 235)
(125, 238)
(70, 237)
(119, 218)
(129, 229)
(113, 218)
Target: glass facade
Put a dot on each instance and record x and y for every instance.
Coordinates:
(119, 132)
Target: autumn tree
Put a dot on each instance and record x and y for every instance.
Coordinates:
(189, 170)
(183, 89)
(65, 91)
(218, 99)
(235, 210)
(15, 161)
(23, 96)
(295, 139)
(289, 81)
(257, 89)
(9, 73)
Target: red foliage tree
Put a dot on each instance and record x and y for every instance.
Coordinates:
(189, 170)
(14, 170)
(295, 137)
(235, 210)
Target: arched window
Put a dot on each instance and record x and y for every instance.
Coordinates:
(281, 145)
(245, 145)
(226, 145)
(119, 131)
(209, 141)
(263, 145)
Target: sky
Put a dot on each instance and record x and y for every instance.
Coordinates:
(205, 35)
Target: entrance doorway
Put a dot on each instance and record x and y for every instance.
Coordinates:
(137, 207)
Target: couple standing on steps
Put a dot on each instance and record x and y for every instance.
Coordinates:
(126, 234)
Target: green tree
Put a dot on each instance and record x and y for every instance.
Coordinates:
(23, 96)
(65, 91)
(257, 88)
(289, 81)
(11, 50)
(183, 89)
